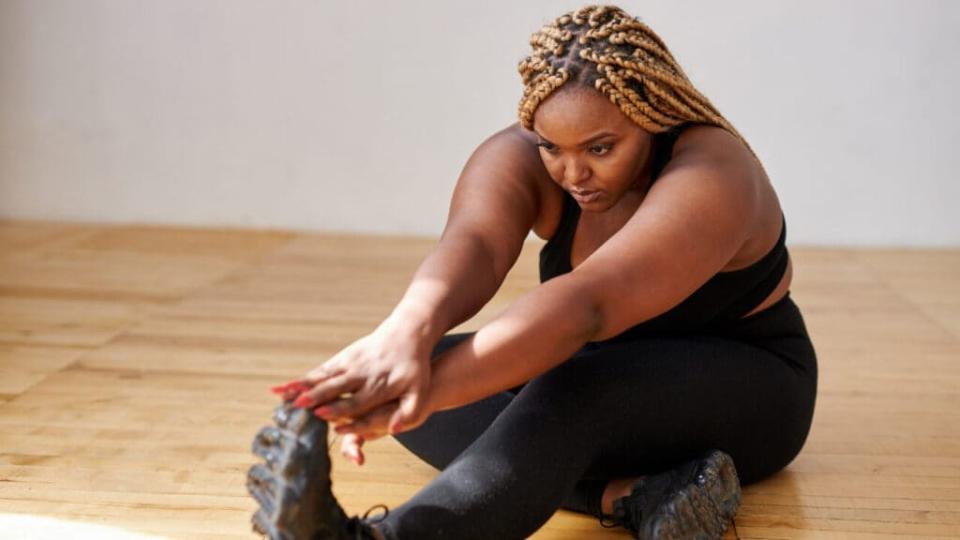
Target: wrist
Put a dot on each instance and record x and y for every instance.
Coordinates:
(448, 388)
(415, 323)
(434, 401)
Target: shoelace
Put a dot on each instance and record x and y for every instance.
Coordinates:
(362, 525)
(359, 523)
(378, 519)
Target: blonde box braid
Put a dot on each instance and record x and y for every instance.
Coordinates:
(623, 59)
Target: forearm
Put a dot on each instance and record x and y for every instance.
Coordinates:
(451, 285)
(538, 332)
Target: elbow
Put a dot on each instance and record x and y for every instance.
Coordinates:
(606, 318)
(595, 325)
(600, 318)
(573, 309)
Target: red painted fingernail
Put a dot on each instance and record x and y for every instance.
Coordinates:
(323, 412)
(302, 401)
(282, 388)
(292, 386)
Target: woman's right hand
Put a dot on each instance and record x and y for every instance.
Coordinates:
(391, 363)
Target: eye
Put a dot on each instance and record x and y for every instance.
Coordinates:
(548, 146)
(600, 149)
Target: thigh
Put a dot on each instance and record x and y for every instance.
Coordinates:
(652, 403)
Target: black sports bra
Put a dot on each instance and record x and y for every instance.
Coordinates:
(721, 301)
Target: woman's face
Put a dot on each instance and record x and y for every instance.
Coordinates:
(590, 148)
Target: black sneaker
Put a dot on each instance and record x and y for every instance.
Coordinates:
(293, 486)
(693, 501)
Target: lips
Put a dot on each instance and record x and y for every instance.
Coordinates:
(585, 196)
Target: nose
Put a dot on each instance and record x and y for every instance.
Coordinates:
(574, 172)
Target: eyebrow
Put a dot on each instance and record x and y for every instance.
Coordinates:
(586, 142)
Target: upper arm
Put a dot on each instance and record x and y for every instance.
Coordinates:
(496, 199)
(692, 222)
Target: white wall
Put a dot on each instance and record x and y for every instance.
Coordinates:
(358, 115)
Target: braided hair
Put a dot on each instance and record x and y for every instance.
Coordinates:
(603, 47)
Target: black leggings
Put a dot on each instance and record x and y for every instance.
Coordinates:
(614, 409)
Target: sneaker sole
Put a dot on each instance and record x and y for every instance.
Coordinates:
(703, 509)
(292, 486)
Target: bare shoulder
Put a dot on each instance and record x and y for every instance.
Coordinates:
(713, 152)
(512, 143)
(707, 161)
(719, 149)
(515, 149)
(497, 198)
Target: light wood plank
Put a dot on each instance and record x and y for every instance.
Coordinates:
(22, 366)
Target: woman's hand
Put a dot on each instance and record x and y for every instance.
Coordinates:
(357, 385)
(369, 427)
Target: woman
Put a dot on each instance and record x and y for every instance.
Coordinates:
(661, 347)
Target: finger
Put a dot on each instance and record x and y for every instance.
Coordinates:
(291, 390)
(359, 429)
(374, 393)
(410, 405)
(351, 448)
(327, 391)
(323, 372)
(291, 394)
(371, 426)
(292, 387)
(284, 393)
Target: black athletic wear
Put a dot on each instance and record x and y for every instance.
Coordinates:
(723, 299)
(696, 378)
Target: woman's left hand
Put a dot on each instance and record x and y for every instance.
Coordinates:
(370, 427)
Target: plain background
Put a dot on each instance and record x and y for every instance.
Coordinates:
(359, 115)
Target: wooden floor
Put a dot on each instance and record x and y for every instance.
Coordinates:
(135, 361)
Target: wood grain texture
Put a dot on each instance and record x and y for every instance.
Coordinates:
(135, 362)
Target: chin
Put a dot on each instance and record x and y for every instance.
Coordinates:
(596, 207)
